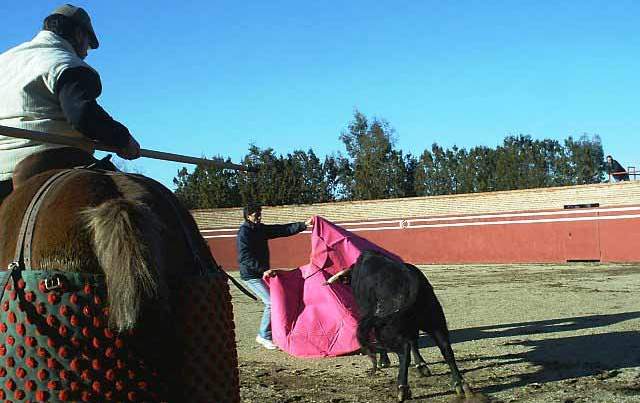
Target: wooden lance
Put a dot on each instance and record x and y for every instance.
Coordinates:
(88, 144)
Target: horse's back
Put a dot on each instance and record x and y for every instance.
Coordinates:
(59, 240)
(104, 225)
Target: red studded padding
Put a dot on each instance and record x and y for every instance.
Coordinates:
(55, 344)
(209, 359)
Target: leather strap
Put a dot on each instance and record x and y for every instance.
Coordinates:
(5, 276)
(25, 236)
(22, 260)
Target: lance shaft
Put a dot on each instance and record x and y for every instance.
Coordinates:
(88, 144)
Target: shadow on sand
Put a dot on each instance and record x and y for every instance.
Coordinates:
(557, 358)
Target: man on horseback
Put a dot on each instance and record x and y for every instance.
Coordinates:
(46, 86)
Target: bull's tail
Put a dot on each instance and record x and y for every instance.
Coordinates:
(126, 240)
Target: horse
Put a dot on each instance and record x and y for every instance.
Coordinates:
(110, 292)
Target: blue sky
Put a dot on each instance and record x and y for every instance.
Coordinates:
(208, 78)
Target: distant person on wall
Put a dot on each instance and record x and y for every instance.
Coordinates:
(46, 86)
(615, 170)
(253, 257)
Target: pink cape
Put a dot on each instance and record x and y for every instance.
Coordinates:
(308, 318)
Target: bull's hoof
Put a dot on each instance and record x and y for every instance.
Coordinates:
(385, 363)
(404, 393)
(475, 398)
(423, 370)
(467, 395)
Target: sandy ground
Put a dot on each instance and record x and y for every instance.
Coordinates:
(521, 333)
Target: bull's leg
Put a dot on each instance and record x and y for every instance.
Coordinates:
(403, 373)
(419, 362)
(441, 337)
(373, 359)
(370, 351)
(385, 362)
(365, 326)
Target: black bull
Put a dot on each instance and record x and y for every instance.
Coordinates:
(396, 301)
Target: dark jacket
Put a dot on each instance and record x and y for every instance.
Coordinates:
(617, 171)
(253, 248)
(77, 90)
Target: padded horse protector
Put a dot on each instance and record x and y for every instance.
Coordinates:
(54, 344)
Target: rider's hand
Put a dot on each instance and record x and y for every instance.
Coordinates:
(131, 151)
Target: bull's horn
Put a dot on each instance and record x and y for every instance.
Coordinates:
(336, 276)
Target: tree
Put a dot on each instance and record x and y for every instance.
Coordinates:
(411, 167)
(186, 189)
(481, 161)
(423, 184)
(432, 173)
(585, 159)
(554, 157)
(315, 183)
(376, 169)
(521, 164)
(298, 178)
(331, 173)
(266, 185)
(208, 187)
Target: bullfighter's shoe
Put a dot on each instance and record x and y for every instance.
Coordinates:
(268, 344)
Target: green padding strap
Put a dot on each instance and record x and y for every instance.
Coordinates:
(5, 276)
(71, 280)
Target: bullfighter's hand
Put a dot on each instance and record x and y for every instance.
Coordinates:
(269, 273)
(309, 222)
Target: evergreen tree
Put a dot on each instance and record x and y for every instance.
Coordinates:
(585, 159)
(481, 162)
(331, 179)
(519, 164)
(554, 158)
(186, 188)
(422, 182)
(298, 178)
(208, 187)
(376, 169)
(411, 167)
(345, 183)
(312, 183)
(433, 176)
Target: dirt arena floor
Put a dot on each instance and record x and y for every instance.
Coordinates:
(521, 333)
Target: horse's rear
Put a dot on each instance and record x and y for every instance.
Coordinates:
(119, 297)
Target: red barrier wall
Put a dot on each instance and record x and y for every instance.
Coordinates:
(596, 234)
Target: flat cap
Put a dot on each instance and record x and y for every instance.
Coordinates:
(81, 17)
